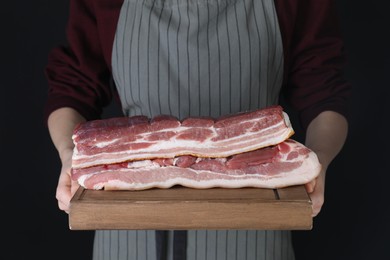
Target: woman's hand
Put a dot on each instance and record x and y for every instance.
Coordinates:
(325, 135)
(66, 187)
(61, 124)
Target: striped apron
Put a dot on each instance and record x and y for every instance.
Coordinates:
(196, 58)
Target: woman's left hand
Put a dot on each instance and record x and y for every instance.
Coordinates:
(325, 136)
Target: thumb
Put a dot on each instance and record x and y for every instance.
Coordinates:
(74, 188)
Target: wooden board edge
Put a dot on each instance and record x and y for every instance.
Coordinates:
(179, 216)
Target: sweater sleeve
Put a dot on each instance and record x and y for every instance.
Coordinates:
(315, 80)
(77, 74)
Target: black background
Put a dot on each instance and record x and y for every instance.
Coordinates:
(354, 222)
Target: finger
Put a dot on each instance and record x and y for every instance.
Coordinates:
(317, 203)
(63, 206)
(317, 199)
(63, 197)
(63, 192)
(75, 187)
(310, 186)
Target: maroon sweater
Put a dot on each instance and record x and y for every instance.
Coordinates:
(79, 74)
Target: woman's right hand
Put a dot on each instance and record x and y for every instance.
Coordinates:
(61, 123)
(66, 187)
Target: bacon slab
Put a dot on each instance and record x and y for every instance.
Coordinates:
(249, 149)
(285, 164)
(116, 140)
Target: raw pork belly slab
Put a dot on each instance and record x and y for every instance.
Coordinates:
(124, 139)
(288, 163)
(249, 149)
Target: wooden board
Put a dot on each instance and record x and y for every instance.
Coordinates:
(182, 208)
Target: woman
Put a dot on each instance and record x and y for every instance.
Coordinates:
(199, 58)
